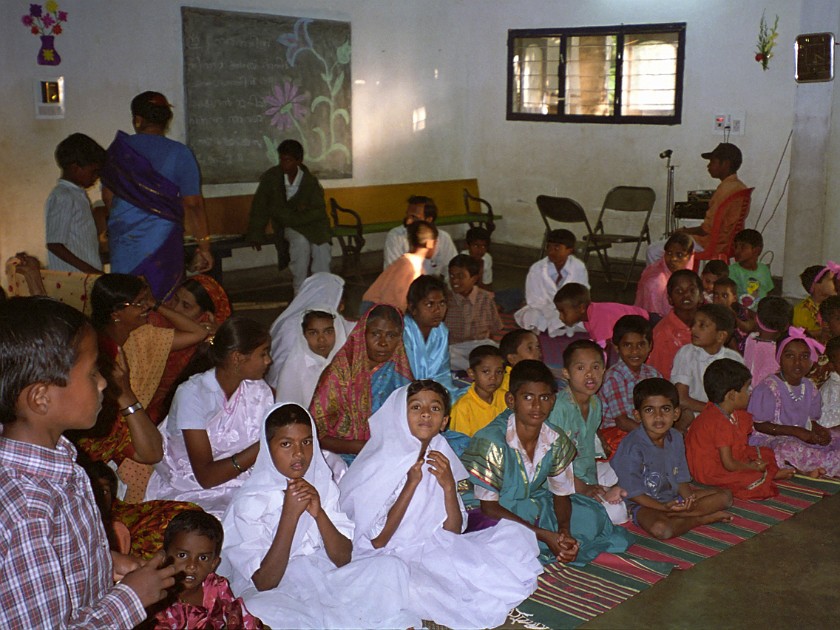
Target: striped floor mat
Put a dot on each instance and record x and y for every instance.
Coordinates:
(569, 596)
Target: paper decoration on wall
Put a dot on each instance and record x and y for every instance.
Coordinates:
(253, 80)
(45, 22)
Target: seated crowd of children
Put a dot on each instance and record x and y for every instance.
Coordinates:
(281, 476)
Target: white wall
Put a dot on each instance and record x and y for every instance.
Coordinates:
(515, 161)
(448, 56)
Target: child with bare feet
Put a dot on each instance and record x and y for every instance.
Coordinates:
(717, 442)
(578, 413)
(651, 466)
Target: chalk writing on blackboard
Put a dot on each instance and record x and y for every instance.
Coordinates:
(252, 80)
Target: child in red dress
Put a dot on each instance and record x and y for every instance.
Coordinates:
(203, 600)
(716, 443)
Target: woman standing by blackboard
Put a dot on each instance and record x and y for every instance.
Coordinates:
(150, 183)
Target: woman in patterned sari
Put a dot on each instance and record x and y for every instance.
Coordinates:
(132, 357)
(370, 365)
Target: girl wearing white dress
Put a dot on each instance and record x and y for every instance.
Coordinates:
(401, 491)
(211, 433)
(287, 549)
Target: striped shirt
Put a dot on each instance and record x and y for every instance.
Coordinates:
(55, 566)
(70, 223)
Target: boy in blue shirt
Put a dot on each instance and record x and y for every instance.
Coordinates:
(651, 466)
(751, 277)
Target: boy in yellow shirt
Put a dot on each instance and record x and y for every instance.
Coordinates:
(515, 346)
(485, 399)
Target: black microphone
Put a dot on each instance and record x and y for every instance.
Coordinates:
(666, 153)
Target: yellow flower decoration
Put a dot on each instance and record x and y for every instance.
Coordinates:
(51, 6)
(48, 54)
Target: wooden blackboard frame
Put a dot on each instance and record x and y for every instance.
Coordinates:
(252, 80)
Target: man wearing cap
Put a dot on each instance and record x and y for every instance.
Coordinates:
(724, 162)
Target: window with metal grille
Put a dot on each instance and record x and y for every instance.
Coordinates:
(614, 74)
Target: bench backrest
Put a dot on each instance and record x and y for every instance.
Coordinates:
(382, 202)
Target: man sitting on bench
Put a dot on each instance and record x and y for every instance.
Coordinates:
(396, 243)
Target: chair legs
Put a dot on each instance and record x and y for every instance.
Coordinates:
(604, 259)
(632, 264)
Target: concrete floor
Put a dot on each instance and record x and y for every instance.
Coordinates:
(786, 577)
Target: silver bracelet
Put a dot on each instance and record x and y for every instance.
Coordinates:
(236, 464)
(131, 409)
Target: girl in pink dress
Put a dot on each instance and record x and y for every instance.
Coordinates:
(651, 293)
(773, 316)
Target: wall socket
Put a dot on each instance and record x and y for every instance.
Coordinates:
(731, 122)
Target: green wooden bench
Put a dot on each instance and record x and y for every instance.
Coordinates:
(359, 210)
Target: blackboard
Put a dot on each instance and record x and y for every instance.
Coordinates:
(253, 80)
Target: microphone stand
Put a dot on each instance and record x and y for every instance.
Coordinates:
(670, 220)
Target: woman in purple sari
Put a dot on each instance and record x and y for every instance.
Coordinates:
(150, 183)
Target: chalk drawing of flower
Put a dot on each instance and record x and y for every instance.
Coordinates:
(297, 41)
(287, 105)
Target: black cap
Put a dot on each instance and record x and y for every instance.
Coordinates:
(725, 151)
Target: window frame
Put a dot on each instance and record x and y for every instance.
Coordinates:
(619, 32)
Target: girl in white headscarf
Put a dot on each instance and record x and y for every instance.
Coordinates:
(322, 289)
(319, 335)
(287, 546)
(401, 493)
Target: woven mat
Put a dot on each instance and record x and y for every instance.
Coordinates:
(568, 596)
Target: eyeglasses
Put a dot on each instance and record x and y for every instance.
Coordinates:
(142, 303)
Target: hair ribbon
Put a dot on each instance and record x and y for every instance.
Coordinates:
(798, 334)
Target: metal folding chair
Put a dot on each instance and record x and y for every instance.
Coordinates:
(565, 210)
(624, 199)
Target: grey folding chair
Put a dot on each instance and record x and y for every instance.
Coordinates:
(622, 200)
(565, 210)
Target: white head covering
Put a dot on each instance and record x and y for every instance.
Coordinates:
(320, 288)
(251, 519)
(383, 464)
(298, 376)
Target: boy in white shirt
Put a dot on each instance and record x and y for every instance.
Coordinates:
(545, 276)
(713, 325)
(72, 237)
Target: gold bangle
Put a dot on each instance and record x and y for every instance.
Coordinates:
(236, 464)
(203, 239)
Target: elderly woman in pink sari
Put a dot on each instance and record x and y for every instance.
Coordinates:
(212, 433)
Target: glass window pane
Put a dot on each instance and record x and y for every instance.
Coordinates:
(535, 72)
(649, 79)
(590, 75)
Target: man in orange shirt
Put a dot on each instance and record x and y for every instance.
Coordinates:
(724, 162)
